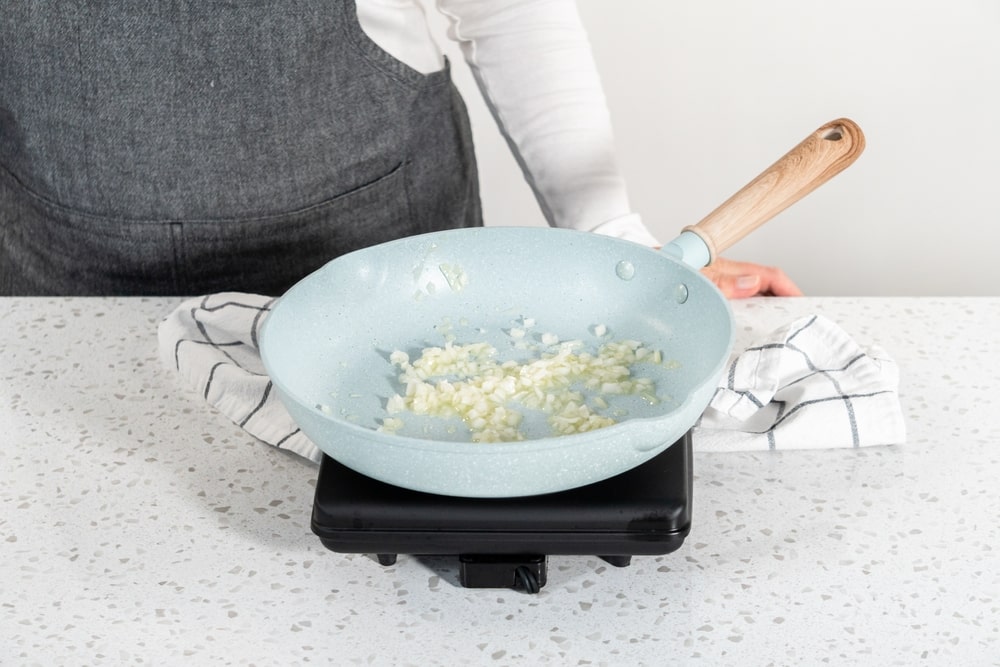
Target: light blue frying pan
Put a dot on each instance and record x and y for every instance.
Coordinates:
(326, 343)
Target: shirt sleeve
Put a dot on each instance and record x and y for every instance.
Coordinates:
(534, 67)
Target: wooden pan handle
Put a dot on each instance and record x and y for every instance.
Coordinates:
(818, 158)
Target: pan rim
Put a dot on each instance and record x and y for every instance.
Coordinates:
(469, 448)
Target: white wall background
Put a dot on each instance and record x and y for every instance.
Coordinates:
(705, 94)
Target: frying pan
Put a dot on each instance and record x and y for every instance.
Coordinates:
(326, 343)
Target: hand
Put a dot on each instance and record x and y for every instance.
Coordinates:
(739, 280)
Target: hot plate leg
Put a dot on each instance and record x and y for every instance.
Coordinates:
(617, 561)
(386, 559)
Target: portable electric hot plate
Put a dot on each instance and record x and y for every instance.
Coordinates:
(505, 542)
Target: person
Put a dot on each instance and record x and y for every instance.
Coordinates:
(195, 147)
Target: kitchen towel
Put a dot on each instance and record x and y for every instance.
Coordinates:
(211, 342)
(806, 385)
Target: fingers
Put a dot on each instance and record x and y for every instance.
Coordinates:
(779, 284)
(739, 280)
(737, 286)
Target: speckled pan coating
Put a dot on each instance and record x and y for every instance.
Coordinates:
(325, 345)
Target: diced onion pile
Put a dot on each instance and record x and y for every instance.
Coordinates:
(569, 384)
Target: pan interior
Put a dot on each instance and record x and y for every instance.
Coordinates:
(327, 342)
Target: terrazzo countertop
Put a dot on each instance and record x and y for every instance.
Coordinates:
(139, 526)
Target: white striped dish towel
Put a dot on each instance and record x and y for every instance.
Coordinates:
(211, 342)
(806, 386)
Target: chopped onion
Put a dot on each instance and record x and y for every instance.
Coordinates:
(468, 382)
(455, 276)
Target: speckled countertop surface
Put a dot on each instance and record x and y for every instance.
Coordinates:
(138, 526)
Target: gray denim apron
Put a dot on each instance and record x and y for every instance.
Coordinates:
(197, 146)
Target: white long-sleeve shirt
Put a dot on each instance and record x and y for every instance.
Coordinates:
(533, 64)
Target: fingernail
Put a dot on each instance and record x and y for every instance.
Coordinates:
(747, 282)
